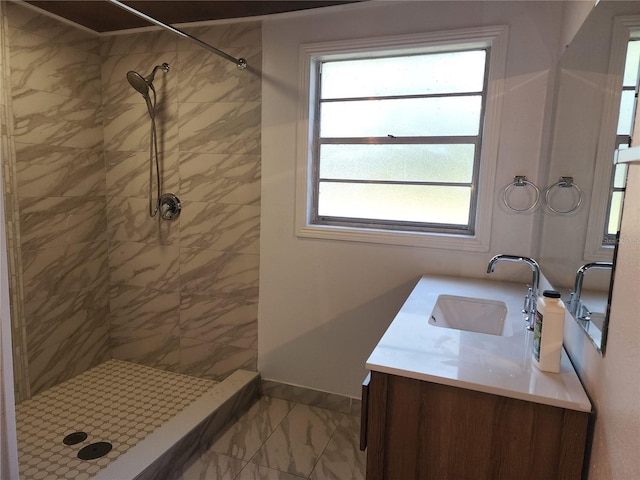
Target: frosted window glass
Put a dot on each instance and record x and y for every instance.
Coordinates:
(620, 176)
(615, 213)
(402, 118)
(632, 64)
(419, 163)
(627, 102)
(409, 203)
(410, 75)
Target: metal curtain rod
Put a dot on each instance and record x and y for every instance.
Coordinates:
(241, 63)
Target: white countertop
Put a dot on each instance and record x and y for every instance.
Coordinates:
(413, 348)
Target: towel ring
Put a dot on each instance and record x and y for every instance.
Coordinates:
(520, 181)
(564, 182)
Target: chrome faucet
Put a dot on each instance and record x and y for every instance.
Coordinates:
(574, 299)
(529, 309)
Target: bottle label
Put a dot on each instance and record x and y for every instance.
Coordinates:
(537, 336)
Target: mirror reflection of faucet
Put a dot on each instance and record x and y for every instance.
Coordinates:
(530, 299)
(576, 307)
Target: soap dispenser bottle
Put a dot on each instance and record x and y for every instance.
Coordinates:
(548, 332)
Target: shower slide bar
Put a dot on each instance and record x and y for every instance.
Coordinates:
(241, 63)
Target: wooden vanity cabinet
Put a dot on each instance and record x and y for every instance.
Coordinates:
(417, 430)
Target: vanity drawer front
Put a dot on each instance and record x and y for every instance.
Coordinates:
(424, 430)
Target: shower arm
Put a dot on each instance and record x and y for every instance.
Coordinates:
(241, 63)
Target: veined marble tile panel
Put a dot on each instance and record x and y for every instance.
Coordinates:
(53, 364)
(37, 63)
(220, 178)
(129, 220)
(137, 43)
(214, 361)
(239, 34)
(217, 226)
(56, 270)
(127, 127)
(52, 319)
(47, 170)
(220, 320)
(297, 443)
(47, 118)
(211, 78)
(207, 272)
(116, 88)
(342, 459)
(307, 396)
(258, 472)
(142, 265)
(128, 173)
(211, 465)
(54, 221)
(134, 308)
(157, 349)
(243, 439)
(223, 127)
(50, 28)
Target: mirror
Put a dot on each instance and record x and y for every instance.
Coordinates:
(578, 249)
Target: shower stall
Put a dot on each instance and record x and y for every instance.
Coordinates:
(95, 278)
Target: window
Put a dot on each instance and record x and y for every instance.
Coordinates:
(628, 101)
(398, 141)
(619, 92)
(398, 138)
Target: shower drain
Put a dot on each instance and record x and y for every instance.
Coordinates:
(74, 438)
(94, 450)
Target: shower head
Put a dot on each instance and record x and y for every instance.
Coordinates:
(138, 82)
(142, 84)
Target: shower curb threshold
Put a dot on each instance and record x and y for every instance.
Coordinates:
(166, 448)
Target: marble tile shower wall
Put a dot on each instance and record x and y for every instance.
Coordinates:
(183, 295)
(60, 195)
(101, 279)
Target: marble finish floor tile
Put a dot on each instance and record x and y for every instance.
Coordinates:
(342, 459)
(243, 439)
(283, 440)
(213, 465)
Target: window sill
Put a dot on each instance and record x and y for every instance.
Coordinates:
(393, 237)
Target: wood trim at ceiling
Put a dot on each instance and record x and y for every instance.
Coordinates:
(101, 16)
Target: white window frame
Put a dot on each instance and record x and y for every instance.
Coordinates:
(624, 29)
(494, 37)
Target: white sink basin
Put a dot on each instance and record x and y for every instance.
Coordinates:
(471, 314)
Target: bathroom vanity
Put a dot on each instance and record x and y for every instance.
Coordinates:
(447, 402)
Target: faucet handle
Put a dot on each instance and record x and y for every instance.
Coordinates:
(528, 301)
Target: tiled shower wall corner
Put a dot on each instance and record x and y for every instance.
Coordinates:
(101, 279)
(14, 260)
(60, 196)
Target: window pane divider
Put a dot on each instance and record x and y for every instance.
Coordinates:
(403, 97)
(397, 224)
(396, 182)
(393, 140)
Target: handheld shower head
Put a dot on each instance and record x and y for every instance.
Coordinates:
(138, 82)
(142, 84)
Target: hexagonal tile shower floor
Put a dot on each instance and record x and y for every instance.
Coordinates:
(116, 403)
